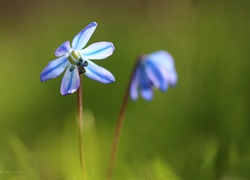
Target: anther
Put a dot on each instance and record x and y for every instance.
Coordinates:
(85, 64)
(79, 63)
(81, 70)
(71, 68)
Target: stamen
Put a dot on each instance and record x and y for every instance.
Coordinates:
(81, 70)
(75, 55)
(85, 64)
(71, 60)
(75, 58)
(79, 63)
(72, 68)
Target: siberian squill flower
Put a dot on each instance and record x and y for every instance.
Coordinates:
(75, 60)
(153, 70)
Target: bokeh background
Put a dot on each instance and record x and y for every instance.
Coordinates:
(199, 129)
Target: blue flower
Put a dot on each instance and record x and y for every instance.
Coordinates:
(153, 70)
(76, 61)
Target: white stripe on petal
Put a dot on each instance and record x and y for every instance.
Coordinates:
(99, 50)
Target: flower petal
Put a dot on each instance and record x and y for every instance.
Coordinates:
(54, 68)
(63, 49)
(134, 84)
(98, 73)
(70, 82)
(82, 38)
(99, 50)
(156, 75)
(172, 77)
(162, 57)
(146, 86)
(165, 61)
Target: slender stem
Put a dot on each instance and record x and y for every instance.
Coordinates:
(80, 132)
(119, 125)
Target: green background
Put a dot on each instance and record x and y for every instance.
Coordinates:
(199, 129)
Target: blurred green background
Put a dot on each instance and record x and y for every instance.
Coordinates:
(198, 130)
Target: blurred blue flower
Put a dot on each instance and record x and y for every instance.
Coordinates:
(153, 70)
(76, 61)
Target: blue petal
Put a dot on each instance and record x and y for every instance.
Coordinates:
(63, 49)
(70, 82)
(166, 61)
(99, 50)
(156, 75)
(134, 84)
(162, 57)
(98, 73)
(82, 38)
(54, 68)
(172, 77)
(146, 86)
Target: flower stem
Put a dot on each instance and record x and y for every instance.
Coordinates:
(119, 125)
(79, 122)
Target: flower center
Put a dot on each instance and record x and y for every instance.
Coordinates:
(76, 59)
